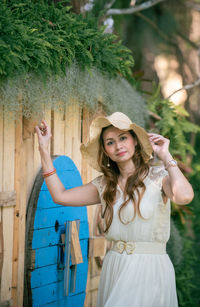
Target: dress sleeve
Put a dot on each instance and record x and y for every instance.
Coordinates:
(157, 173)
(98, 182)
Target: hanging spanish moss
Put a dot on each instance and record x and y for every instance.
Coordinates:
(87, 88)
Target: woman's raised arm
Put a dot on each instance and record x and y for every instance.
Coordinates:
(80, 196)
(175, 185)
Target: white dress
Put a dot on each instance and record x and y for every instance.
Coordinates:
(139, 279)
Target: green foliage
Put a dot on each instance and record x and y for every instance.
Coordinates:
(45, 38)
(173, 124)
(187, 288)
(183, 255)
(195, 180)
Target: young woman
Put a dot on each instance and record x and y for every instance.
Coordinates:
(135, 198)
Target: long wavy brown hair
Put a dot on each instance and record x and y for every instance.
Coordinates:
(134, 187)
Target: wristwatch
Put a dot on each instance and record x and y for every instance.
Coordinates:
(172, 163)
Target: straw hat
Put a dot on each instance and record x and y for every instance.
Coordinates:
(120, 121)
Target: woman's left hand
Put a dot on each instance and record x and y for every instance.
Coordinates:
(160, 145)
(175, 183)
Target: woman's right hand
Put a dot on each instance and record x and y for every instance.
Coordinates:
(44, 135)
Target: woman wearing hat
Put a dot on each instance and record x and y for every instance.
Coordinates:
(135, 198)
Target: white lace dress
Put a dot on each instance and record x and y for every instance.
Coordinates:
(139, 279)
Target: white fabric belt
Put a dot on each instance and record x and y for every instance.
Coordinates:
(139, 247)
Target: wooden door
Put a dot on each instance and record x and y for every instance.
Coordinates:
(44, 277)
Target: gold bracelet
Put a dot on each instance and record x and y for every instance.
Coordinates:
(171, 163)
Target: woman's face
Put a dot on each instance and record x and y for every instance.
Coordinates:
(119, 145)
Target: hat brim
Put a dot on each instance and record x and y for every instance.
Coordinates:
(90, 150)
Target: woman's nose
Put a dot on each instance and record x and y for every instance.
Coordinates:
(118, 145)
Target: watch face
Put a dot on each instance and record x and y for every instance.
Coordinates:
(173, 163)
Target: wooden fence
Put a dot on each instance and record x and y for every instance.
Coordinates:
(19, 165)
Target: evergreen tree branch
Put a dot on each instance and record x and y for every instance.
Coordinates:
(135, 9)
(186, 87)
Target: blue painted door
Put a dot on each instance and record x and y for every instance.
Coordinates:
(44, 276)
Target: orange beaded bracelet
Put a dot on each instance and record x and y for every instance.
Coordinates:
(47, 174)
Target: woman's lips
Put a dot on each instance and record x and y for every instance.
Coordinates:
(121, 153)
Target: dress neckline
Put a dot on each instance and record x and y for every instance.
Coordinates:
(120, 189)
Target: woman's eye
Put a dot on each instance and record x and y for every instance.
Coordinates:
(124, 137)
(109, 143)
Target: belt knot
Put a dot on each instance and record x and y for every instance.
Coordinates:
(122, 246)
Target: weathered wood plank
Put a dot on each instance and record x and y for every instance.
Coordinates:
(75, 245)
(97, 246)
(8, 212)
(1, 251)
(68, 131)
(23, 162)
(73, 133)
(17, 172)
(85, 169)
(87, 175)
(8, 199)
(8, 303)
(28, 155)
(29, 126)
(58, 135)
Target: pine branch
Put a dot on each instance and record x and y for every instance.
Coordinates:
(132, 10)
(186, 87)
